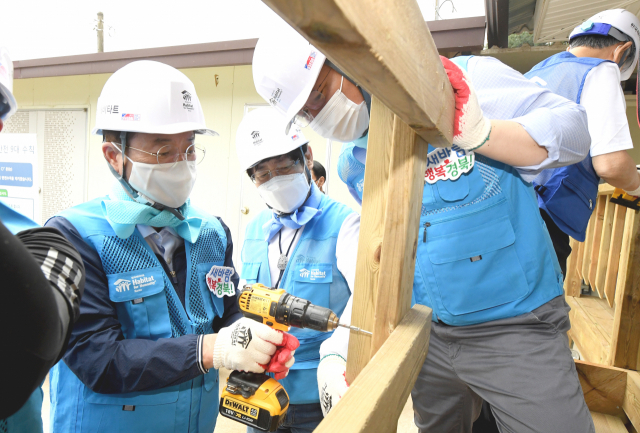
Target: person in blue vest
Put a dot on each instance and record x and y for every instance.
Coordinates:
(602, 52)
(485, 262)
(42, 284)
(305, 243)
(144, 354)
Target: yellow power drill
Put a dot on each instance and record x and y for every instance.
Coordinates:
(256, 399)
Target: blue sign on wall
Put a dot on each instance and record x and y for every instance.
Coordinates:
(16, 174)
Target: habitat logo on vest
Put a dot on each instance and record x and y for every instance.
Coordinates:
(137, 281)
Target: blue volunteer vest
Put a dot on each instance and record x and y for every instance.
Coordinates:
(567, 194)
(484, 252)
(312, 273)
(29, 417)
(147, 308)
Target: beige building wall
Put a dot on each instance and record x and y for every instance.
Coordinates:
(221, 188)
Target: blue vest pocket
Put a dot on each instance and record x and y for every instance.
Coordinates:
(464, 262)
(137, 411)
(250, 272)
(141, 303)
(453, 190)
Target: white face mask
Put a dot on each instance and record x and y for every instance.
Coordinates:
(168, 184)
(285, 193)
(341, 119)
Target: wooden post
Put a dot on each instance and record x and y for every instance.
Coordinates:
(626, 331)
(605, 245)
(613, 260)
(371, 234)
(572, 280)
(597, 237)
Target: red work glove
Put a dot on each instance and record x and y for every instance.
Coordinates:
(282, 359)
(470, 128)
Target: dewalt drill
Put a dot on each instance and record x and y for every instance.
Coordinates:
(256, 399)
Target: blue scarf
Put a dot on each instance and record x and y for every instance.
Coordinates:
(297, 219)
(123, 214)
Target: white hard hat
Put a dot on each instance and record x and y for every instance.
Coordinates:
(8, 104)
(261, 136)
(622, 25)
(150, 97)
(285, 69)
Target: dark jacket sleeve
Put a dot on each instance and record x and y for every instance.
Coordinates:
(41, 280)
(231, 309)
(99, 354)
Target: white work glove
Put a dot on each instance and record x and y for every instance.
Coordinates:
(245, 345)
(635, 192)
(332, 381)
(470, 128)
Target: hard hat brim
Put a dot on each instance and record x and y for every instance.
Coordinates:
(299, 102)
(171, 129)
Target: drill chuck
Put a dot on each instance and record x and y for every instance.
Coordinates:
(300, 313)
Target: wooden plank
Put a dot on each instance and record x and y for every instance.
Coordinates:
(626, 328)
(572, 281)
(374, 204)
(588, 243)
(597, 237)
(605, 245)
(603, 387)
(608, 423)
(375, 399)
(591, 339)
(386, 47)
(631, 402)
(605, 189)
(617, 231)
(401, 226)
(580, 260)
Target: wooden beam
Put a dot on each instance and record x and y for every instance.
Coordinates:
(386, 47)
(580, 251)
(617, 231)
(572, 281)
(605, 245)
(588, 243)
(376, 398)
(626, 329)
(631, 402)
(374, 203)
(597, 237)
(608, 423)
(401, 226)
(603, 387)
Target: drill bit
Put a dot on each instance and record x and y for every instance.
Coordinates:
(355, 329)
(333, 322)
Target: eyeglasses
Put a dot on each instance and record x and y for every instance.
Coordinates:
(263, 176)
(315, 101)
(169, 154)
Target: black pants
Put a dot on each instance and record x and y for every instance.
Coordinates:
(560, 241)
(486, 423)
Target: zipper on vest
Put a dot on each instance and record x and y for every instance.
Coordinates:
(424, 236)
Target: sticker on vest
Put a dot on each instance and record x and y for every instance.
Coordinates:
(219, 281)
(128, 286)
(448, 163)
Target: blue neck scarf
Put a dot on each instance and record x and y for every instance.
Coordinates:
(297, 219)
(123, 214)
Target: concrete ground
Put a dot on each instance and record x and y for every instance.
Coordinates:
(225, 425)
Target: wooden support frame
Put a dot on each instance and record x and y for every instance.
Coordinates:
(386, 47)
(611, 391)
(605, 329)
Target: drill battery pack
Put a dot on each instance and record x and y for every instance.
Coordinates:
(254, 399)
